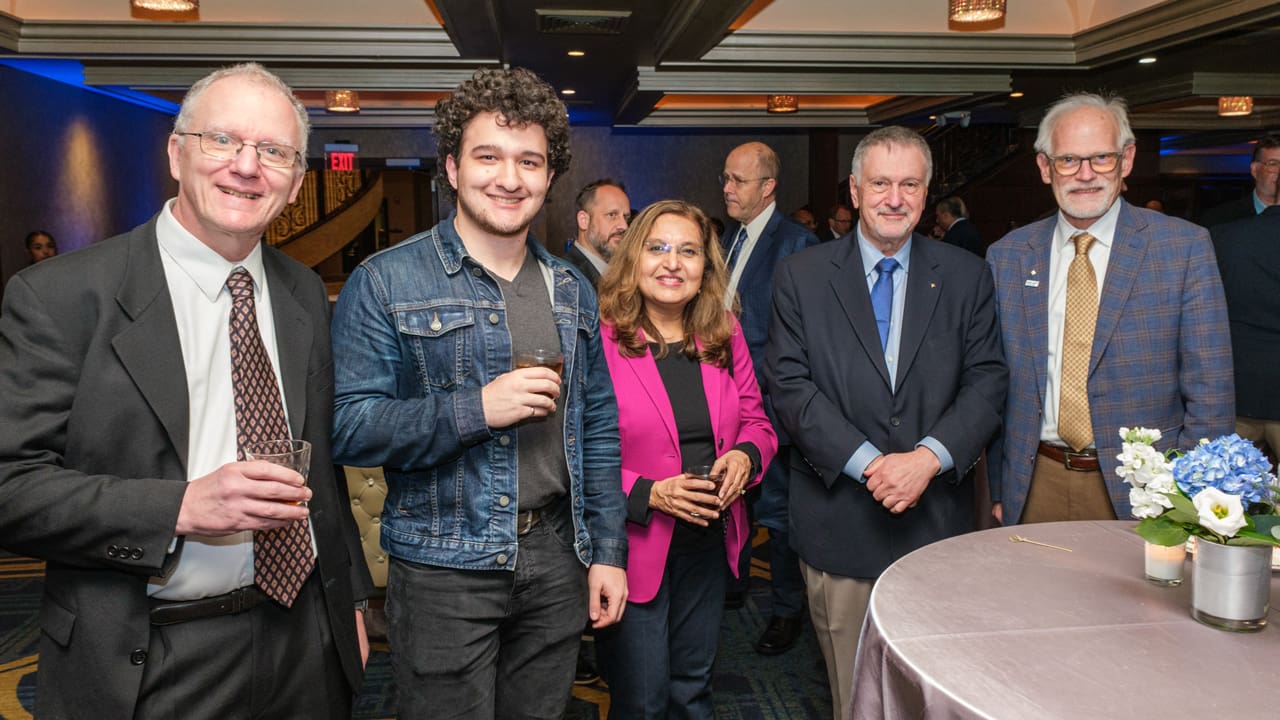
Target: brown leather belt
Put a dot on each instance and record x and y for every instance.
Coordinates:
(1084, 461)
(236, 601)
(527, 520)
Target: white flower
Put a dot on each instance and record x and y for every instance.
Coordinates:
(1148, 503)
(1220, 512)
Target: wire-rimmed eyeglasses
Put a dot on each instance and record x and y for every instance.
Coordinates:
(222, 146)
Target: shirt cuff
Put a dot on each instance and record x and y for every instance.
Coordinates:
(862, 457)
(753, 454)
(940, 450)
(638, 510)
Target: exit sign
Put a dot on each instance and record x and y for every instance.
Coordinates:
(341, 156)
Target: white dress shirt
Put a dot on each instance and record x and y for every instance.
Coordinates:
(1062, 252)
(754, 229)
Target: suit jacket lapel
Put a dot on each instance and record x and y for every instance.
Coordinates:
(293, 338)
(149, 348)
(762, 254)
(849, 283)
(645, 369)
(1127, 251)
(924, 286)
(1035, 299)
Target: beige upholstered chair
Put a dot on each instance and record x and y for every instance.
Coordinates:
(368, 490)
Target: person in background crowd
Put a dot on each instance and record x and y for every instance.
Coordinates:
(953, 218)
(40, 246)
(804, 216)
(1110, 316)
(1265, 169)
(603, 209)
(885, 368)
(687, 396)
(758, 239)
(839, 222)
(180, 579)
(505, 514)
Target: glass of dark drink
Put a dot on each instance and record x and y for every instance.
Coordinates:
(552, 359)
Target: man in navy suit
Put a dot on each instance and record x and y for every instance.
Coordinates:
(1265, 169)
(1159, 355)
(952, 215)
(1249, 258)
(603, 212)
(885, 368)
(754, 243)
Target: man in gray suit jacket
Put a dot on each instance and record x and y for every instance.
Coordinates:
(885, 368)
(120, 432)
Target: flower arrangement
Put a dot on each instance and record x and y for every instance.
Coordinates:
(1222, 490)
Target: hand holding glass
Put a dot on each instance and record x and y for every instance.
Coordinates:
(703, 472)
(293, 454)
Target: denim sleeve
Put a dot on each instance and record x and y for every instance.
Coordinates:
(381, 416)
(604, 508)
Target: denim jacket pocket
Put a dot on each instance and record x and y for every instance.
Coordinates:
(440, 337)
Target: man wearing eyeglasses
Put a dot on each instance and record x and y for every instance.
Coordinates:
(1110, 315)
(758, 239)
(1265, 169)
(182, 581)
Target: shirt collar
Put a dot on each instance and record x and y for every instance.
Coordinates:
(1103, 229)
(756, 227)
(206, 268)
(1258, 205)
(871, 255)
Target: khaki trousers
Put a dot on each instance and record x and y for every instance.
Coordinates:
(837, 606)
(1263, 433)
(1060, 494)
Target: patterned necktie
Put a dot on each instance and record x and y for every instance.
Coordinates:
(737, 248)
(882, 298)
(282, 557)
(1074, 424)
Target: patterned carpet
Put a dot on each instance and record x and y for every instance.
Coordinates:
(748, 686)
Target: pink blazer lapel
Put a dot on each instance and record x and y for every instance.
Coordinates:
(649, 383)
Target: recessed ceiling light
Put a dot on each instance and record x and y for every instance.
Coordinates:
(1015, 94)
(933, 117)
(568, 91)
(1146, 60)
(576, 53)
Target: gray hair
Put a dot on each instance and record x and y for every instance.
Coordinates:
(892, 135)
(256, 73)
(1114, 104)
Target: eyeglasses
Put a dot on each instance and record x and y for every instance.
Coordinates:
(226, 147)
(1269, 164)
(1070, 164)
(686, 252)
(737, 181)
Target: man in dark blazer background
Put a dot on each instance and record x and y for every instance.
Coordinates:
(1159, 355)
(953, 216)
(603, 213)
(1265, 169)
(119, 437)
(759, 237)
(885, 367)
(1249, 259)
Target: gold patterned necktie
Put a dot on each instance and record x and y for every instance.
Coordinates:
(1074, 424)
(282, 557)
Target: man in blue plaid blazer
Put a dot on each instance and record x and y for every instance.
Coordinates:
(1161, 349)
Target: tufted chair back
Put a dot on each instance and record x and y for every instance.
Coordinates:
(368, 490)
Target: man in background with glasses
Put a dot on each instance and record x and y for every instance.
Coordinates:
(758, 239)
(181, 581)
(1265, 169)
(1111, 316)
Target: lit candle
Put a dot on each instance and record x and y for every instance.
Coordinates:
(1164, 564)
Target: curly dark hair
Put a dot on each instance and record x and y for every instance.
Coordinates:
(520, 97)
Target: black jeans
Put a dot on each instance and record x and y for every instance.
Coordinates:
(489, 643)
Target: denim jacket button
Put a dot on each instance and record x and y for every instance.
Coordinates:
(493, 318)
(504, 501)
(477, 271)
(502, 559)
(504, 441)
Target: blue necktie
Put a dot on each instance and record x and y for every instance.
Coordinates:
(737, 247)
(882, 298)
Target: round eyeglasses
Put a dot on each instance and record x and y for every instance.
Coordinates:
(1071, 164)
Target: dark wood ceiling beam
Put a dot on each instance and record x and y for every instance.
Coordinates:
(694, 27)
(473, 27)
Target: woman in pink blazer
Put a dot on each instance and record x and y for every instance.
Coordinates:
(687, 396)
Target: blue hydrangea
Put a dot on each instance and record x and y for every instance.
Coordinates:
(1230, 464)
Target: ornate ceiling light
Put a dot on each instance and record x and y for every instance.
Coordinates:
(973, 11)
(1235, 105)
(342, 101)
(782, 103)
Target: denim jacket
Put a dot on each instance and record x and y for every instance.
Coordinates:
(419, 330)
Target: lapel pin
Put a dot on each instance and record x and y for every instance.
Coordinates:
(1033, 283)
(933, 285)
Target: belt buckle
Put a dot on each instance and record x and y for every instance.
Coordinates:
(525, 521)
(1068, 455)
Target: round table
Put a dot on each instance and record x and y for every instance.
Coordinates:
(977, 626)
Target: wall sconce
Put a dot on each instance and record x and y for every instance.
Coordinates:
(342, 101)
(176, 6)
(1235, 105)
(975, 11)
(782, 103)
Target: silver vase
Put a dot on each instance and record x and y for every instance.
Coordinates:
(1231, 585)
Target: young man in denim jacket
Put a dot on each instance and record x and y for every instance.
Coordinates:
(504, 518)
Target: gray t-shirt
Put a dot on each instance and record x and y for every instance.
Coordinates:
(543, 474)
